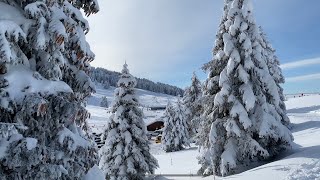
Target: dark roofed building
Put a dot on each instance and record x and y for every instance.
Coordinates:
(156, 108)
(155, 125)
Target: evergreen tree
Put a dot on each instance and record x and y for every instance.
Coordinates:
(175, 134)
(276, 72)
(126, 153)
(245, 125)
(191, 101)
(44, 64)
(106, 85)
(210, 89)
(104, 102)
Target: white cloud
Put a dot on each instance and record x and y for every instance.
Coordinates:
(163, 40)
(155, 37)
(303, 78)
(301, 63)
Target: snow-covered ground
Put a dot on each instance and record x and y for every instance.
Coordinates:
(288, 96)
(146, 98)
(181, 162)
(100, 115)
(302, 162)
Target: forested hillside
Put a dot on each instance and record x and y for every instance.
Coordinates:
(110, 78)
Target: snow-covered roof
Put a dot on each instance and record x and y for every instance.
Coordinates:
(151, 121)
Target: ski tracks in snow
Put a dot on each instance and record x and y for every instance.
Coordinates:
(306, 171)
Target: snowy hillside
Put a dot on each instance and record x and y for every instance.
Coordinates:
(99, 115)
(147, 98)
(302, 162)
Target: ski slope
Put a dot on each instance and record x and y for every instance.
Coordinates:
(300, 163)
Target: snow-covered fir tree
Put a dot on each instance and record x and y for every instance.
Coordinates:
(209, 90)
(245, 124)
(192, 105)
(104, 102)
(175, 135)
(44, 64)
(126, 153)
(276, 72)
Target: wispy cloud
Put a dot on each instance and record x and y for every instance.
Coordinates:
(303, 78)
(301, 63)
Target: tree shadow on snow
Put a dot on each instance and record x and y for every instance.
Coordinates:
(183, 150)
(306, 125)
(190, 149)
(307, 152)
(157, 177)
(303, 110)
(279, 167)
(312, 152)
(283, 155)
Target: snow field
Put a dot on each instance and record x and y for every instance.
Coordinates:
(302, 162)
(99, 115)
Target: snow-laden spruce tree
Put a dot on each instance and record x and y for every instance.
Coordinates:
(104, 102)
(209, 90)
(126, 153)
(175, 135)
(192, 105)
(245, 125)
(276, 72)
(44, 64)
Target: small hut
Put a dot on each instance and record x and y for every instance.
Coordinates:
(155, 125)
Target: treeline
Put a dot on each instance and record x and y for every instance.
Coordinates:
(110, 78)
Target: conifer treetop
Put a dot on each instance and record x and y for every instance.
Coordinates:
(126, 153)
(126, 79)
(245, 123)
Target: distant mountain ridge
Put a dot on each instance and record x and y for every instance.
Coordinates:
(110, 78)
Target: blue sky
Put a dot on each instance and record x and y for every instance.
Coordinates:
(165, 40)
